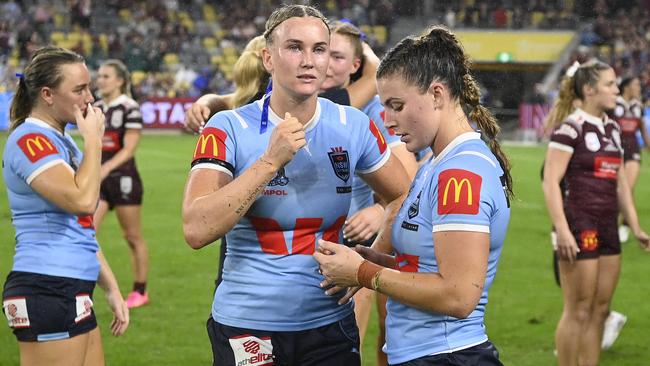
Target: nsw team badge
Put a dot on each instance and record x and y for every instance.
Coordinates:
(340, 163)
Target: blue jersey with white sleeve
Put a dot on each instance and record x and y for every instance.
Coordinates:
(362, 196)
(49, 240)
(270, 279)
(460, 190)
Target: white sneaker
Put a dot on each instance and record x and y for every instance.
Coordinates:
(613, 325)
(623, 233)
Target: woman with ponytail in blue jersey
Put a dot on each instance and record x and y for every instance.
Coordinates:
(53, 190)
(440, 258)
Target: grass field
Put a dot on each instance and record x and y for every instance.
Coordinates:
(524, 306)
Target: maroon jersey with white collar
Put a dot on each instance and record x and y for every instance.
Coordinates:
(121, 114)
(591, 176)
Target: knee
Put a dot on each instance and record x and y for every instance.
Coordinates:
(133, 239)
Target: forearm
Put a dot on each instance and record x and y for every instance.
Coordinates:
(429, 292)
(626, 203)
(382, 243)
(215, 102)
(106, 279)
(120, 158)
(87, 177)
(209, 217)
(554, 204)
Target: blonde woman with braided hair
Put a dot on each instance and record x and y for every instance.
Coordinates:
(448, 235)
(585, 151)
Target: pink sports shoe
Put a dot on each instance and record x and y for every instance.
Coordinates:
(135, 299)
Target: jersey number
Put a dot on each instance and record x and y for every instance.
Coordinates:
(271, 237)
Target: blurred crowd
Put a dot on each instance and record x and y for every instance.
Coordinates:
(182, 48)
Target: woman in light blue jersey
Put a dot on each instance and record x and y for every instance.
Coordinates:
(365, 216)
(53, 190)
(274, 176)
(448, 235)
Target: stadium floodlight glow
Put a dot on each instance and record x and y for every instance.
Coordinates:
(504, 57)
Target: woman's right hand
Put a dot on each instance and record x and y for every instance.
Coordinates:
(286, 139)
(196, 116)
(567, 248)
(91, 125)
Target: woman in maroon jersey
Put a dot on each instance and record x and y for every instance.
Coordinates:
(629, 115)
(121, 185)
(586, 150)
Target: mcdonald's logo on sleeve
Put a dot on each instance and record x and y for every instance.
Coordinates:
(381, 142)
(36, 146)
(211, 144)
(459, 192)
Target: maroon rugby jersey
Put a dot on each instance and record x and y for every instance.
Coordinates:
(591, 176)
(121, 114)
(628, 115)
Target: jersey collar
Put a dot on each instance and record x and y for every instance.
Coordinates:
(275, 119)
(467, 136)
(41, 123)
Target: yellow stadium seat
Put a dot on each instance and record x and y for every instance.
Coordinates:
(103, 42)
(74, 37)
(366, 29)
(170, 59)
(230, 51)
(188, 23)
(137, 77)
(209, 15)
(209, 42)
(125, 15)
(380, 33)
(57, 37)
(13, 62)
(537, 18)
(216, 59)
(59, 20)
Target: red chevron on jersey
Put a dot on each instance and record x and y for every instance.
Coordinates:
(381, 142)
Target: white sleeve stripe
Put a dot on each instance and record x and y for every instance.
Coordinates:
(45, 167)
(376, 167)
(559, 146)
(240, 119)
(476, 153)
(135, 126)
(211, 166)
(461, 227)
(342, 115)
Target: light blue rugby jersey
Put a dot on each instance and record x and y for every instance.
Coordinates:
(461, 189)
(361, 192)
(270, 279)
(49, 240)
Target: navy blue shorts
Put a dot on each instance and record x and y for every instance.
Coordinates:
(333, 344)
(46, 308)
(484, 354)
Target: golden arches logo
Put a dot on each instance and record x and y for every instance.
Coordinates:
(202, 144)
(458, 186)
(39, 143)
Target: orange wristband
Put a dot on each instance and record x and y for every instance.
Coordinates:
(366, 272)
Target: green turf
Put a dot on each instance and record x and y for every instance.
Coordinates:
(524, 303)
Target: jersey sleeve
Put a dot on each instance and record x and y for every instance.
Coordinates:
(374, 151)
(564, 137)
(215, 147)
(376, 114)
(133, 118)
(465, 196)
(33, 153)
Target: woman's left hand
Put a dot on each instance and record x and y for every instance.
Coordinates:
(120, 312)
(338, 263)
(643, 238)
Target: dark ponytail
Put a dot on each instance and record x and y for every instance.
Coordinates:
(437, 55)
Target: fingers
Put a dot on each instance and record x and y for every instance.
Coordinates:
(328, 245)
(348, 295)
(78, 116)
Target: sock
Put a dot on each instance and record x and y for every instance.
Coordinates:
(140, 287)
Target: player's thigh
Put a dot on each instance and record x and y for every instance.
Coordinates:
(65, 352)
